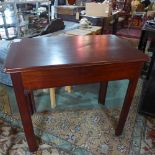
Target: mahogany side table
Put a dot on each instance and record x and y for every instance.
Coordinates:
(36, 63)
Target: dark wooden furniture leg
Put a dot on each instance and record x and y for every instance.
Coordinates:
(24, 111)
(150, 66)
(114, 25)
(102, 92)
(126, 106)
(30, 99)
(103, 25)
(143, 41)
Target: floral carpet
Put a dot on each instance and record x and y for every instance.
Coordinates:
(74, 132)
(77, 132)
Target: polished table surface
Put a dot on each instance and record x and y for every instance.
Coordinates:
(60, 61)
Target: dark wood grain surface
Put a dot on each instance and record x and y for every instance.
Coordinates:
(63, 51)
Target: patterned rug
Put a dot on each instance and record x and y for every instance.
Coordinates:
(77, 132)
(148, 141)
(143, 142)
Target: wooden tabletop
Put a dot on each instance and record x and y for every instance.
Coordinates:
(55, 52)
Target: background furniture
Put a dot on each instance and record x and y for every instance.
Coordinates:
(69, 12)
(108, 24)
(16, 16)
(92, 30)
(148, 35)
(147, 105)
(53, 95)
(69, 25)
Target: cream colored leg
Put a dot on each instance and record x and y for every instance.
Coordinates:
(4, 100)
(67, 2)
(53, 98)
(68, 89)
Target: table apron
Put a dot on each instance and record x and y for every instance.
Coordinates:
(55, 77)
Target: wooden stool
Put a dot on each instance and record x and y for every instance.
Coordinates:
(4, 100)
(53, 96)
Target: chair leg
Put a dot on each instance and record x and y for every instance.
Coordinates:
(68, 89)
(4, 100)
(53, 98)
(151, 66)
